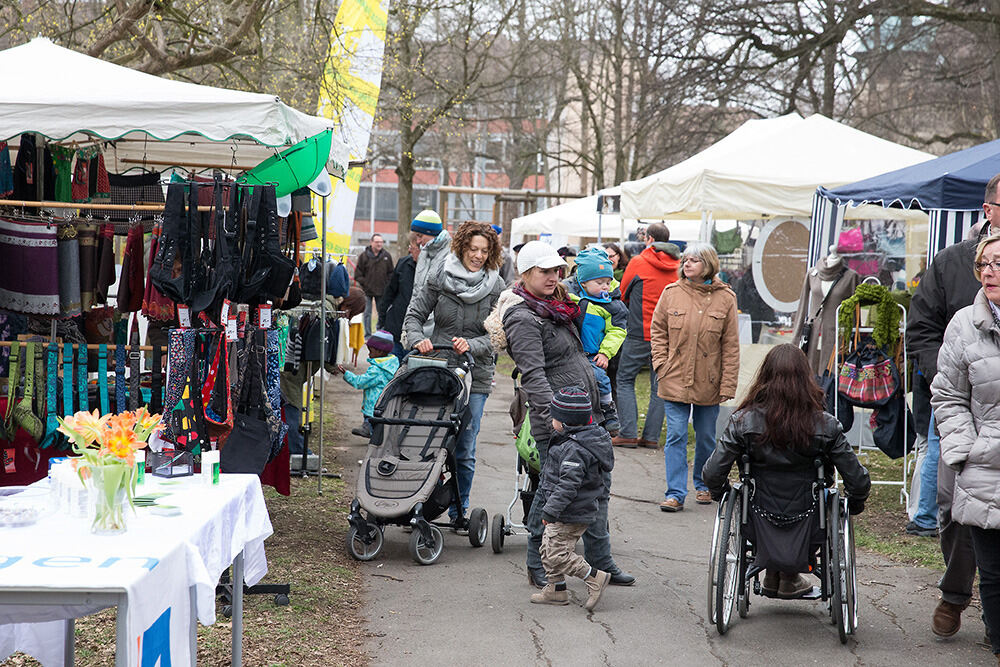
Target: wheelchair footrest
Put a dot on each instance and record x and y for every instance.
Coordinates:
(814, 594)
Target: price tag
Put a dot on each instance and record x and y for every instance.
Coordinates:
(224, 313)
(231, 329)
(184, 316)
(264, 316)
(8, 460)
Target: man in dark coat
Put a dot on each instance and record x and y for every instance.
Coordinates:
(396, 297)
(372, 275)
(948, 285)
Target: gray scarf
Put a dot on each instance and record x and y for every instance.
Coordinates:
(469, 286)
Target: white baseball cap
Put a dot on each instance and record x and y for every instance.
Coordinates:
(540, 254)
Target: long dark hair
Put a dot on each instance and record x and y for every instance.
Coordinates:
(786, 393)
(623, 256)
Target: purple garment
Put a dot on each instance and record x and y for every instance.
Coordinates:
(22, 245)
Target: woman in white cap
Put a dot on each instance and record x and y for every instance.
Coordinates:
(459, 297)
(534, 321)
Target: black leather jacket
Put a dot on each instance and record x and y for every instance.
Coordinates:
(743, 434)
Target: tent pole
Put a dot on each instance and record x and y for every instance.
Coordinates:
(322, 338)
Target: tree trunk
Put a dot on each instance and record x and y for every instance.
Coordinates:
(405, 171)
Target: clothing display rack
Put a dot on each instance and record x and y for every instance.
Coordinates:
(909, 457)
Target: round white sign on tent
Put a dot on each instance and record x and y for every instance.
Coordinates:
(779, 262)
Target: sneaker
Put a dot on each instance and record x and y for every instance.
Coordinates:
(703, 497)
(671, 505)
(913, 529)
(549, 595)
(625, 443)
(596, 583)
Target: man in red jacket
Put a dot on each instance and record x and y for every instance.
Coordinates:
(645, 278)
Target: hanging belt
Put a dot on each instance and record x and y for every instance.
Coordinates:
(134, 358)
(29, 374)
(120, 377)
(156, 400)
(102, 378)
(52, 390)
(68, 379)
(81, 377)
(13, 378)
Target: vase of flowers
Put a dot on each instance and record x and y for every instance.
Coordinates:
(106, 463)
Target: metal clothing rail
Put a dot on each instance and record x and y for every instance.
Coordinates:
(76, 346)
(904, 493)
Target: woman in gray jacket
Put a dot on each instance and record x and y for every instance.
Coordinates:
(534, 322)
(966, 402)
(460, 297)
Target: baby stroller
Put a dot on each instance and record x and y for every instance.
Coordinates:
(526, 473)
(747, 538)
(408, 475)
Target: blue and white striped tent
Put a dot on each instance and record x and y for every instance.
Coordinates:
(949, 188)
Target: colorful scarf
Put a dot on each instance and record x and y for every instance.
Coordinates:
(560, 312)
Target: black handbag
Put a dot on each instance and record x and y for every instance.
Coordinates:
(282, 268)
(887, 424)
(173, 265)
(248, 447)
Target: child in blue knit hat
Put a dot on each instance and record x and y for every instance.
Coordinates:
(382, 365)
(602, 321)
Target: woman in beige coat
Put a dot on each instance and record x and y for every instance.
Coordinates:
(966, 401)
(696, 355)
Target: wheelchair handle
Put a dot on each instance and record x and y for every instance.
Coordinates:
(466, 358)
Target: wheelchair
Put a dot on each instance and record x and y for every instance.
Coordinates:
(732, 574)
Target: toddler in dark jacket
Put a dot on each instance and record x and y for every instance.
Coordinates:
(572, 478)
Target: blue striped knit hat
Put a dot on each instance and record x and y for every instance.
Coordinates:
(571, 405)
(427, 222)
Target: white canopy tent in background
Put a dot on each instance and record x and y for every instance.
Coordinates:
(69, 96)
(579, 218)
(768, 167)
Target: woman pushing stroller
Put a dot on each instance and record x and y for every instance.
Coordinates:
(783, 429)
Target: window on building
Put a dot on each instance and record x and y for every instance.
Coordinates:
(386, 203)
(363, 209)
(424, 198)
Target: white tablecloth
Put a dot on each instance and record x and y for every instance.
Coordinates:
(155, 561)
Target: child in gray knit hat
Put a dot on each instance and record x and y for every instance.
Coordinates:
(572, 480)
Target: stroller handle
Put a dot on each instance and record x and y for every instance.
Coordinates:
(466, 358)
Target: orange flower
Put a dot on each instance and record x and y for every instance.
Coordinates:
(84, 428)
(124, 419)
(121, 441)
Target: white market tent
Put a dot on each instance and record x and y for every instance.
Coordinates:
(69, 96)
(768, 167)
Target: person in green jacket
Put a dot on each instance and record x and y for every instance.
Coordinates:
(601, 322)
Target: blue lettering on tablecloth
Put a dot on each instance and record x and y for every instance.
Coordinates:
(80, 561)
(155, 644)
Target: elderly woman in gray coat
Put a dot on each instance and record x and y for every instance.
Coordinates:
(966, 402)
(534, 322)
(460, 297)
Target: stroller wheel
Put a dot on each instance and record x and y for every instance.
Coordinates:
(479, 526)
(423, 551)
(363, 546)
(497, 534)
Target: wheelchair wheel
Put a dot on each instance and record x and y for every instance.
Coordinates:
(719, 516)
(850, 573)
(838, 568)
(728, 561)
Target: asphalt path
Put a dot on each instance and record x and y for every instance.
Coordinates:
(472, 606)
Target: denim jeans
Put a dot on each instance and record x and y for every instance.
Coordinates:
(596, 539)
(603, 381)
(371, 306)
(635, 355)
(399, 350)
(927, 509)
(986, 544)
(675, 449)
(465, 452)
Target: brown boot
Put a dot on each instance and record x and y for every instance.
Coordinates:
(947, 618)
(596, 583)
(770, 584)
(549, 595)
(793, 585)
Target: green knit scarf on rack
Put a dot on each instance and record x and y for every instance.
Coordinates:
(885, 330)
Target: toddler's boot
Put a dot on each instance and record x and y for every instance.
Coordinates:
(596, 583)
(611, 424)
(550, 595)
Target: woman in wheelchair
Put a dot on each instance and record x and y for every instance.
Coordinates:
(782, 432)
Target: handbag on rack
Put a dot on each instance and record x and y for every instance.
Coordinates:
(171, 269)
(868, 377)
(217, 266)
(248, 447)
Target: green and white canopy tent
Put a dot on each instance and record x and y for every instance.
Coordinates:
(68, 96)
